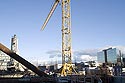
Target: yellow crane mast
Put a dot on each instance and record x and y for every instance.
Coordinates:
(66, 35)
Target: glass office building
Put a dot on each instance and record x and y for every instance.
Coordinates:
(100, 57)
(111, 57)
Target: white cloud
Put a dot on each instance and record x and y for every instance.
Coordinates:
(54, 53)
(82, 55)
(92, 52)
(85, 55)
(85, 58)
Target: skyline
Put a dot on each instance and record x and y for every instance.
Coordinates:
(95, 24)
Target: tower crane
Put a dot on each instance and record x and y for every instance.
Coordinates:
(66, 35)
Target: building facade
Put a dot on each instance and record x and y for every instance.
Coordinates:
(109, 55)
(4, 59)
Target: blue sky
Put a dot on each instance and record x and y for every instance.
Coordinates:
(95, 24)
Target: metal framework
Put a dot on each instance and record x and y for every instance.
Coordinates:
(66, 35)
(14, 47)
(66, 38)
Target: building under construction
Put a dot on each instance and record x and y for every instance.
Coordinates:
(26, 72)
(15, 69)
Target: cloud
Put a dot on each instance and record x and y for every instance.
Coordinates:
(91, 52)
(54, 53)
(122, 48)
(87, 58)
(85, 55)
(80, 55)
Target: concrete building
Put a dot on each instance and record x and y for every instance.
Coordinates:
(4, 59)
(8, 63)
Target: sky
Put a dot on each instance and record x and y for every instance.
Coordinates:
(95, 24)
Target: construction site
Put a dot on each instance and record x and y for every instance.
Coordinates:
(15, 69)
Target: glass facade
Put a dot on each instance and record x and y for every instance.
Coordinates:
(112, 55)
(100, 57)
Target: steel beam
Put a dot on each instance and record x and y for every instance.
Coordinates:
(22, 61)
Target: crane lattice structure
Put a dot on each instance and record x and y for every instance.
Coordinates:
(66, 35)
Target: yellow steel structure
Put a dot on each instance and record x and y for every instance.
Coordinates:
(66, 35)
